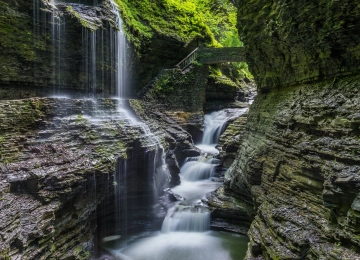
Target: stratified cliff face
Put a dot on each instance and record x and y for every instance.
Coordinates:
(299, 161)
(295, 41)
(57, 166)
(299, 165)
(48, 49)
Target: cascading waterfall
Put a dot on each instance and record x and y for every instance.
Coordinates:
(159, 168)
(97, 50)
(186, 218)
(195, 175)
(154, 155)
(216, 123)
(197, 170)
(185, 230)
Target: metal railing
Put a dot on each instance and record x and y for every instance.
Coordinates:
(188, 60)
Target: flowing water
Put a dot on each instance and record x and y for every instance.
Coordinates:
(216, 123)
(185, 232)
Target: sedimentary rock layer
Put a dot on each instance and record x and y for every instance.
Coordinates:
(299, 166)
(57, 166)
(294, 41)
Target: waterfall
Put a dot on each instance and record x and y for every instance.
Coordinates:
(185, 231)
(119, 51)
(215, 123)
(186, 218)
(157, 174)
(189, 215)
(96, 65)
(195, 171)
(120, 191)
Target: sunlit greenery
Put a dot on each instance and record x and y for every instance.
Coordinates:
(212, 20)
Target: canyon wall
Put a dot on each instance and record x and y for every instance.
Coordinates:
(48, 49)
(61, 163)
(289, 42)
(298, 165)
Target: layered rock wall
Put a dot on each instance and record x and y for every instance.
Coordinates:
(299, 167)
(62, 49)
(57, 165)
(295, 41)
(298, 164)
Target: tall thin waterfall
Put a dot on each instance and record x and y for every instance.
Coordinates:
(119, 49)
(157, 174)
(57, 37)
(159, 167)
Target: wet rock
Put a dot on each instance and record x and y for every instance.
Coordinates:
(29, 72)
(51, 185)
(168, 126)
(229, 212)
(173, 197)
(231, 139)
(298, 167)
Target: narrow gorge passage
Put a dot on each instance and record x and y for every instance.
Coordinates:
(185, 232)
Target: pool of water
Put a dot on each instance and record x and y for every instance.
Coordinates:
(181, 246)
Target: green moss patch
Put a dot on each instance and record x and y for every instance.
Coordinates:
(211, 20)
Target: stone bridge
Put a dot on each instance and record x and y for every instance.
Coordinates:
(213, 56)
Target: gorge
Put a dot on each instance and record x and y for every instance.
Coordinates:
(105, 147)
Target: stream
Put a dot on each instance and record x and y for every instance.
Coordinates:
(185, 231)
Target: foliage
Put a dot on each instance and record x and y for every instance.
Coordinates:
(242, 70)
(80, 119)
(212, 20)
(163, 86)
(230, 74)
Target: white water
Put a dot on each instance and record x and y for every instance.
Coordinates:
(185, 230)
(184, 246)
(215, 124)
(186, 218)
(157, 166)
(194, 171)
(120, 54)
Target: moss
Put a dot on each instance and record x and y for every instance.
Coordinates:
(16, 34)
(164, 85)
(211, 20)
(136, 105)
(178, 90)
(297, 41)
(80, 119)
(231, 77)
(85, 23)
